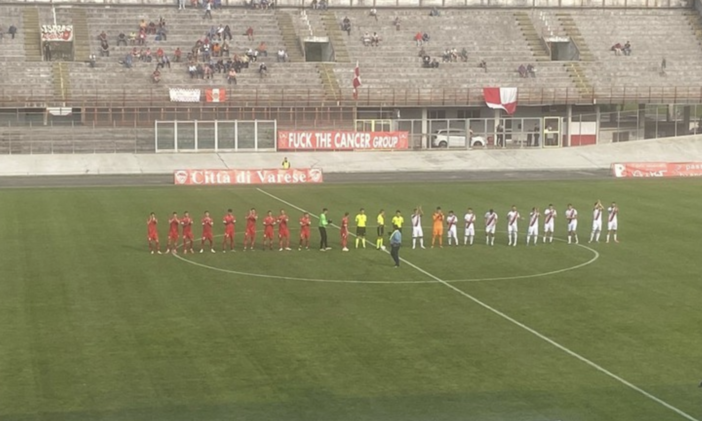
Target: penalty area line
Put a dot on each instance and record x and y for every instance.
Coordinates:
(521, 325)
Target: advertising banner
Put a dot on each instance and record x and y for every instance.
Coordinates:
(657, 169)
(318, 140)
(63, 33)
(233, 177)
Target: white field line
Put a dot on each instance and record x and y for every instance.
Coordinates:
(525, 327)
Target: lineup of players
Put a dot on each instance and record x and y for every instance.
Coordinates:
(182, 228)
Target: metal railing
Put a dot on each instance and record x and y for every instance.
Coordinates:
(367, 97)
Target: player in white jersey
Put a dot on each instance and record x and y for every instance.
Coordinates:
(596, 222)
(417, 232)
(469, 219)
(533, 229)
(549, 219)
(613, 211)
(572, 217)
(490, 224)
(452, 225)
(512, 226)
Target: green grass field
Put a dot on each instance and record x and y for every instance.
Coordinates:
(93, 327)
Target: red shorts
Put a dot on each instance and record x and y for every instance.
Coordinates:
(153, 236)
(305, 234)
(188, 235)
(251, 233)
(268, 233)
(229, 234)
(344, 234)
(284, 233)
(173, 236)
(207, 236)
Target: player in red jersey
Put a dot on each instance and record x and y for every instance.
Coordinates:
(268, 223)
(250, 234)
(344, 232)
(305, 231)
(283, 231)
(207, 223)
(187, 223)
(152, 235)
(229, 220)
(173, 224)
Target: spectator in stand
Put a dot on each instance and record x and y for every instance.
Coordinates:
(177, 55)
(181, 4)
(159, 53)
(104, 49)
(162, 34)
(627, 49)
(435, 64)
(263, 70)
(281, 56)
(91, 60)
(418, 38)
(396, 22)
(373, 13)
(483, 65)
(422, 53)
(102, 36)
(192, 69)
(464, 55)
(323, 5)
(132, 38)
(151, 30)
(121, 38)
(227, 33)
(425, 37)
(47, 52)
(434, 12)
(231, 77)
(216, 49)
(166, 61)
(522, 70)
(127, 62)
(314, 5)
(208, 10)
(12, 31)
(2, 33)
(617, 48)
(142, 37)
(249, 33)
(426, 62)
(217, 4)
(531, 70)
(366, 39)
(375, 39)
(346, 25)
(225, 49)
(262, 49)
(156, 76)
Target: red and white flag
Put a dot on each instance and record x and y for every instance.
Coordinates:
(356, 81)
(215, 95)
(501, 98)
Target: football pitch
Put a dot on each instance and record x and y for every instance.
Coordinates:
(93, 327)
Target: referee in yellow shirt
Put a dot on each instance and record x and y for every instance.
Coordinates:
(380, 230)
(398, 220)
(361, 220)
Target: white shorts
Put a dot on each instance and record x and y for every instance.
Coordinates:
(512, 228)
(612, 226)
(490, 229)
(452, 231)
(548, 227)
(597, 225)
(470, 231)
(533, 230)
(572, 226)
(417, 232)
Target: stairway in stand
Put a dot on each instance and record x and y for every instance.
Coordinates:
(61, 84)
(331, 85)
(32, 36)
(336, 37)
(290, 37)
(532, 37)
(81, 35)
(574, 68)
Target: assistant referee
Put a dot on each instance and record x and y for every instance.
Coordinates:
(361, 220)
(380, 230)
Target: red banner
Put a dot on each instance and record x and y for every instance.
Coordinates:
(316, 140)
(230, 177)
(657, 169)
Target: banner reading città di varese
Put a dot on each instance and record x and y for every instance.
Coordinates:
(657, 169)
(316, 140)
(231, 177)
